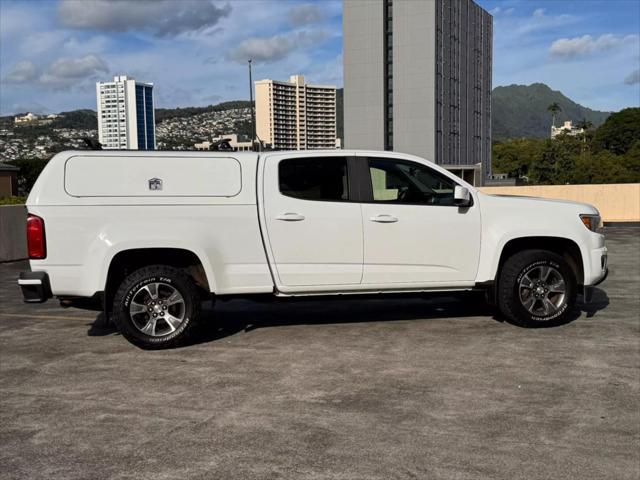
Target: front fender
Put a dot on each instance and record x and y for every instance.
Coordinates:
(493, 248)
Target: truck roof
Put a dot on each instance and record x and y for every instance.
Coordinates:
(151, 177)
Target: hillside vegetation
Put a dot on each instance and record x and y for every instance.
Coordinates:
(521, 111)
(608, 154)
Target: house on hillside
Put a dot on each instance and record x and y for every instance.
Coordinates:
(29, 117)
(567, 129)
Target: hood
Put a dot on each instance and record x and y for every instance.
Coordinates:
(522, 201)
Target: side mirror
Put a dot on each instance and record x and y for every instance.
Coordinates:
(461, 196)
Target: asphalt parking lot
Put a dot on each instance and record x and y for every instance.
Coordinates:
(351, 389)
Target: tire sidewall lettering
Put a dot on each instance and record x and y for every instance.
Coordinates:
(536, 264)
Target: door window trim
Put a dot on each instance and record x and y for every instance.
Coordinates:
(365, 172)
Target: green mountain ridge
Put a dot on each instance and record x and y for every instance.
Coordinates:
(520, 111)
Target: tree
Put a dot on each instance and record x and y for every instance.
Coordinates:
(584, 124)
(515, 157)
(29, 171)
(554, 108)
(631, 162)
(556, 162)
(619, 132)
(575, 159)
(600, 167)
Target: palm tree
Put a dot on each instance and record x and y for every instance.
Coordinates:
(585, 125)
(554, 108)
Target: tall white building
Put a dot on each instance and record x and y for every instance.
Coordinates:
(296, 116)
(126, 118)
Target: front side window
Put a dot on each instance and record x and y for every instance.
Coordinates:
(321, 179)
(401, 181)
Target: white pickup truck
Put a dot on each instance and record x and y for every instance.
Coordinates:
(147, 236)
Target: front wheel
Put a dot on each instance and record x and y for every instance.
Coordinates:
(157, 307)
(536, 288)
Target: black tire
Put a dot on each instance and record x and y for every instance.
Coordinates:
(512, 295)
(134, 288)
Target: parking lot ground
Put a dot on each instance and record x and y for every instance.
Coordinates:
(343, 389)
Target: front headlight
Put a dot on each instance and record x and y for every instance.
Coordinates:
(592, 222)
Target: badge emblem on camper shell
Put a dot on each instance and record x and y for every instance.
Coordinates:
(155, 184)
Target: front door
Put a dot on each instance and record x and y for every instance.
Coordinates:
(413, 232)
(314, 229)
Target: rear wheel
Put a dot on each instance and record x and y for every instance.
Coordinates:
(157, 307)
(536, 288)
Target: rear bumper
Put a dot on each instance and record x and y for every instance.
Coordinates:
(35, 287)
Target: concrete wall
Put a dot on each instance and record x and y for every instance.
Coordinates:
(362, 37)
(13, 233)
(616, 202)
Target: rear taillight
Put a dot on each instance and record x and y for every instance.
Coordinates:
(36, 243)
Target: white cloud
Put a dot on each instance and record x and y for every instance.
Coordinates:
(161, 17)
(511, 28)
(23, 72)
(305, 14)
(632, 78)
(567, 48)
(538, 12)
(272, 49)
(71, 69)
(61, 74)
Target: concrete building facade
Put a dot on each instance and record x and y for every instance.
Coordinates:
(126, 117)
(417, 79)
(294, 115)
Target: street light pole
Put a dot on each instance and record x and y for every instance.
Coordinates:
(253, 111)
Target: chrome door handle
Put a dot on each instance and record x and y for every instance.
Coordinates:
(290, 217)
(384, 219)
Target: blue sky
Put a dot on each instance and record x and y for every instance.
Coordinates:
(194, 51)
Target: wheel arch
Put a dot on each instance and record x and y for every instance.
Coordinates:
(565, 247)
(128, 260)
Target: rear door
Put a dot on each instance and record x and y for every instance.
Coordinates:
(314, 231)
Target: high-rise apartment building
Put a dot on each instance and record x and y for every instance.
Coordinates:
(295, 116)
(417, 79)
(126, 119)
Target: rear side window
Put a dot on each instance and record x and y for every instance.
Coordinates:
(322, 178)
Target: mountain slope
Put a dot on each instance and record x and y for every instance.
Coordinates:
(520, 111)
